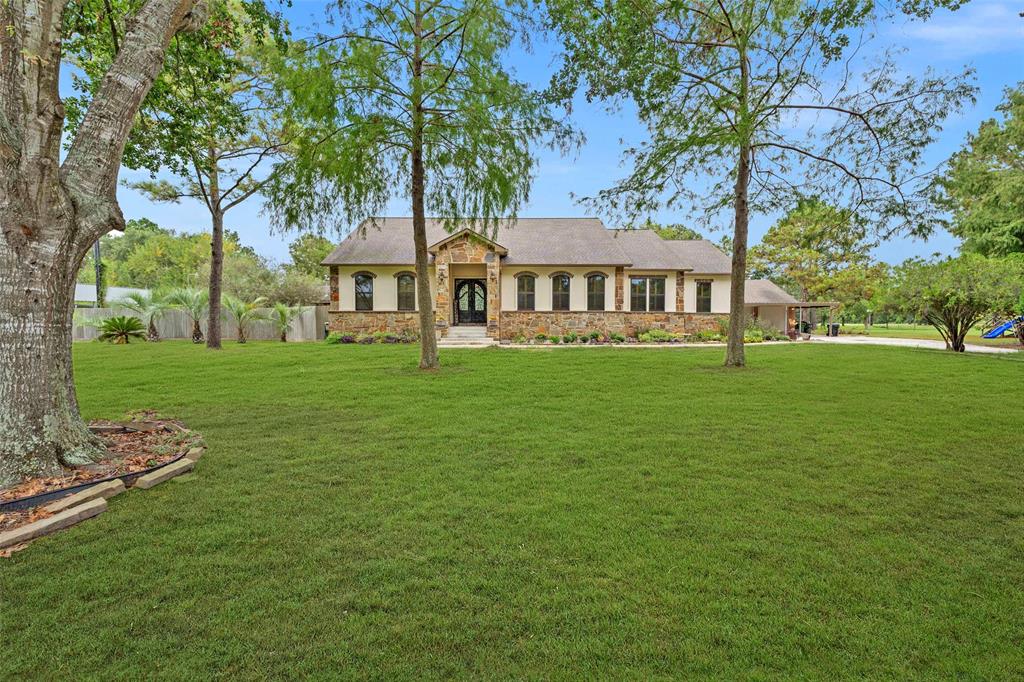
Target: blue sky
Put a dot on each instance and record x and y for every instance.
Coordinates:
(986, 35)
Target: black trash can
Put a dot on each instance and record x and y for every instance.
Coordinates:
(834, 329)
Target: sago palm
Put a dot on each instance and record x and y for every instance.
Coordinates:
(150, 308)
(121, 329)
(244, 313)
(195, 303)
(282, 316)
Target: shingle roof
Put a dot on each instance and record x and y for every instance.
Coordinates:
(539, 241)
(766, 292)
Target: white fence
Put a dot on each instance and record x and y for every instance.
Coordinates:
(175, 324)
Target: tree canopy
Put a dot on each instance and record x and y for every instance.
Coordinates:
(983, 187)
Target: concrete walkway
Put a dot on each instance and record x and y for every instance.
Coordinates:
(906, 343)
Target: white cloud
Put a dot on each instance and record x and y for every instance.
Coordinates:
(978, 28)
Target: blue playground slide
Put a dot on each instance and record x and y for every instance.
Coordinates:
(1003, 328)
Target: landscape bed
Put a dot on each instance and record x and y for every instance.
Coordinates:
(829, 512)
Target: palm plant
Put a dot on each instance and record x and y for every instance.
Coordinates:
(195, 303)
(121, 329)
(244, 313)
(282, 316)
(150, 308)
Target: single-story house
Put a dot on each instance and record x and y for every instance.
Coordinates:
(537, 276)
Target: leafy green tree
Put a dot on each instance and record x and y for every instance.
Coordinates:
(672, 230)
(955, 294)
(236, 137)
(750, 103)
(308, 251)
(55, 204)
(983, 186)
(296, 288)
(244, 313)
(412, 99)
(806, 249)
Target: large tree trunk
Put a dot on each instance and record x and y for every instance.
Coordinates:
(734, 355)
(213, 335)
(213, 330)
(428, 338)
(51, 213)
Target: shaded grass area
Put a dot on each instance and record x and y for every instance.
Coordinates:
(923, 331)
(831, 512)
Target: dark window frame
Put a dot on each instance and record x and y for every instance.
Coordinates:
(526, 300)
(408, 277)
(363, 299)
(596, 301)
(561, 300)
(648, 295)
(701, 301)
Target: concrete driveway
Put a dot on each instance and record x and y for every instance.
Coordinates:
(906, 343)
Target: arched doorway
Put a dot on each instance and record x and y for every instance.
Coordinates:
(470, 301)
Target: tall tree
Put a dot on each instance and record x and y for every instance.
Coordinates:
(413, 99)
(53, 209)
(752, 102)
(308, 252)
(671, 230)
(225, 146)
(983, 186)
(810, 244)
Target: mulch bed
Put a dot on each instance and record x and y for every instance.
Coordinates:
(133, 446)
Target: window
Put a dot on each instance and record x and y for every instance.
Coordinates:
(406, 292)
(526, 287)
(647, 293)
(703, 296)
(560, 292)
(595, 292)
(364, 291)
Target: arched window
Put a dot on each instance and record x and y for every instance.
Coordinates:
(526, 290)
(406, 291)
(364, 290)
(560, 291)
(595, 291)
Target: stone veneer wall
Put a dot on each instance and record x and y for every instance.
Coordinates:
(530, 323)
(466, 249)
(367, 322)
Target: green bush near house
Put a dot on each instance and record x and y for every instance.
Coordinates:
(570, 337)
(657, 336)
(121, 329)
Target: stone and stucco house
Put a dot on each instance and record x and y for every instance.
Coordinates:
(537, 275)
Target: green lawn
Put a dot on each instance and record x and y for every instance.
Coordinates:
(924, 331)
(830, 512)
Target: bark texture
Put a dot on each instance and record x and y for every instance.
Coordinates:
(428, 338)
(213, 331)
(734, 353)
(52, 213)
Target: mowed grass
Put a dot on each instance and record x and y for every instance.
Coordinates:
(923, 331)
(830, 512)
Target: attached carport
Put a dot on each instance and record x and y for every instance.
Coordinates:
(766, 300)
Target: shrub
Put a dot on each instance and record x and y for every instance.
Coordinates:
(333, 337)
(595, 336)
(540, 337)
(554, 339)
(365, 339)
(618, 338)
(707, 336)
(519, 338)
(657, 336)
(570, 337)
(121, 329)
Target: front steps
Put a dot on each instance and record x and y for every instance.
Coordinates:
(466, 337)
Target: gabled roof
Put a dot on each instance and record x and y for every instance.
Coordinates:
(498, 248)
(766, 292)
(536, 241)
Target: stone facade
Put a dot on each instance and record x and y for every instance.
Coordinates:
(467, 249)
(367, 322)
(530, 323)
(680, 286)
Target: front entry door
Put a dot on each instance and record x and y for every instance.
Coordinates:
(470, 301)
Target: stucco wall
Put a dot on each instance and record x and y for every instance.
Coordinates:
(719, 292)
(775, 315)
(542, 297)
(385, 286)
(670, 286)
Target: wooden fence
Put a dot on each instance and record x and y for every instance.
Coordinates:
(175, 324)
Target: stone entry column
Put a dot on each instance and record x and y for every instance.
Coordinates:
(493, 294)
(443, 300)
(620, 288)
